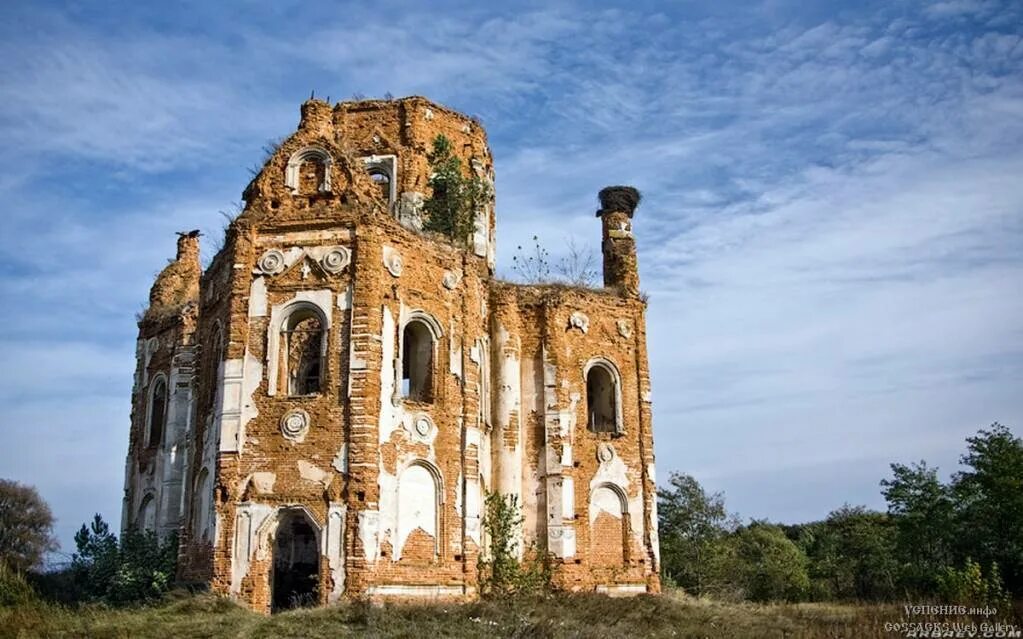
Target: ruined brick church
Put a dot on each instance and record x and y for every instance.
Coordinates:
(320, 413)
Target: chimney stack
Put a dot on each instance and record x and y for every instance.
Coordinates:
(621, 271)
(188, 246)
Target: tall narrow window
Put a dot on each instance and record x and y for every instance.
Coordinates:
(382, 179)
(202, 499)
(383, 170)
(601, 400)
(147, 514)
(417, 362)
(303, 352)
(157, 412)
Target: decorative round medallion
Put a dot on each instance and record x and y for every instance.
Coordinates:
(605, 453)
(579, 320)
(271, 262)
(422, 425)
(624, 328)
(450, 280)
(295, 424)
(335, 260)
(394, 264)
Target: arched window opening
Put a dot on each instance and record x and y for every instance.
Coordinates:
(418, 524)
(383, 170)
(302, 337)
(202, 500)
(311, 176)
(211, 357)
(147, 514)
(609, 527)
(382, 180)
(601, 400)
(157, 412)
(308, 171)
(417, 362)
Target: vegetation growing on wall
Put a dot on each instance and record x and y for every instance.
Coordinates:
(577, 266)
(502, 573)
(455, 199)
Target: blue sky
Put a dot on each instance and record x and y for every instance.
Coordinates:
(831, 233)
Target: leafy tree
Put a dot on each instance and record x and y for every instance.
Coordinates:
(851, 555)
(924, 512)
(989, 496)
(978, 516)
(455, 198)
(767, 565)
(692, 529)
(26, 527)
(139, 568)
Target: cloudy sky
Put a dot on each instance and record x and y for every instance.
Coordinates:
(831, 234)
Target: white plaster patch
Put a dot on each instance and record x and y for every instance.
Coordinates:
(240, 379)
(455, 354)
(311, 472)
(340, 461)
(369, 530)
(334, 542)
(417, 505)
(344, 300)
(605, 500)
(425, 592)
(613, 471)
(263, 482)
(509, 397)
(388, 411)
(621, 590)
(567, 498)
(249, 519)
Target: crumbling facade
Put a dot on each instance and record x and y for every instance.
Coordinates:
(321, 412)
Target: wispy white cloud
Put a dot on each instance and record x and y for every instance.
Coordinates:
(831, 228)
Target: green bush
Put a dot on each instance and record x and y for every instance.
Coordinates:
(139, 568)
(502, 573)
(969, 586)
(767, 565)
(14, 590)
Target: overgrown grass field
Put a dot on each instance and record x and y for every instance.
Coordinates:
(669, 615)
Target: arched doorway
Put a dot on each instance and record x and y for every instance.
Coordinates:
(296, 568)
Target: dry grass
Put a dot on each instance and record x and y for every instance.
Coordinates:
(671, 615)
